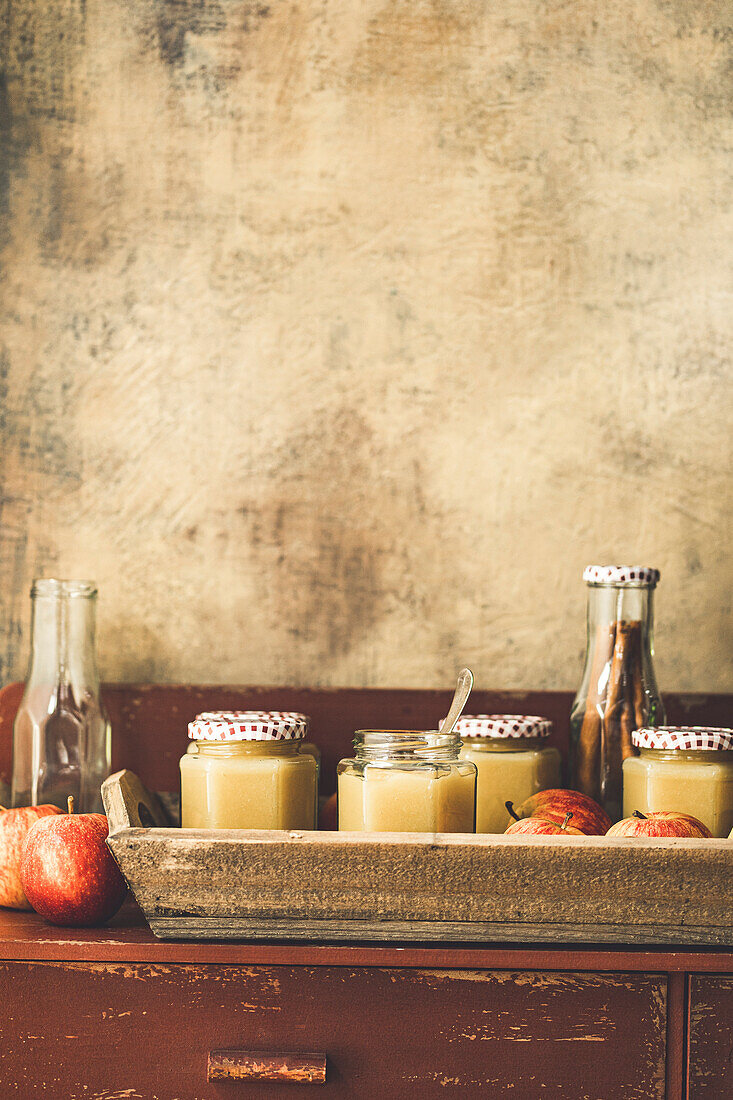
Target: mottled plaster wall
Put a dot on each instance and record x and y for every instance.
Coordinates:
(338, 337)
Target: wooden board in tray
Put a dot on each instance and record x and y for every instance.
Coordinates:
(416, 886)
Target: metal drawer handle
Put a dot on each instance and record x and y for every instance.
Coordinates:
(267, 1065)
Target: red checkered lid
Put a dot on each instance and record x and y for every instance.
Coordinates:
(622, 576)
(683, 737)
(248, 725)
(503, 725)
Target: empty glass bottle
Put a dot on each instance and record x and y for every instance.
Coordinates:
(61, 736)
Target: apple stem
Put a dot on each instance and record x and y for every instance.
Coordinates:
(510, 808)
(639, 814)
(565, 822)
(70, 803)
(3, 809)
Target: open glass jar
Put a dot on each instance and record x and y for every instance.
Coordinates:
(247, 772)
(406, 781)
(512, 760)
(618, 692)
(683, 769)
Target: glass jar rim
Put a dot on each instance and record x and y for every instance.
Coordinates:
(403, 743)
(506, 744)
(224, 748)
(712, 755)
(621, 584)
(55, 587)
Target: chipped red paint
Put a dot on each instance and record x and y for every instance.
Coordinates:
(710, 1037)
(385, 1032)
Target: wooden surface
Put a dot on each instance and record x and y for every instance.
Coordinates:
(234, 884)
(711, 1037)
(148, 1030)
(676, 1068)
(149, 720)
(127, 938)
(518, 1011)
(338, 930)
(128, 803)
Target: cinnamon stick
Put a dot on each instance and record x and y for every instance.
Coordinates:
(641, 710)
(618, 720)
(588, 748)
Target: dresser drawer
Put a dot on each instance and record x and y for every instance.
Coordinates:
(86, 1030)
(710, 1075)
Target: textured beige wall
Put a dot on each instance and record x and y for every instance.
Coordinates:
(338, 337)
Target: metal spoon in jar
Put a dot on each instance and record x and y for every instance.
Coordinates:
(463, 690)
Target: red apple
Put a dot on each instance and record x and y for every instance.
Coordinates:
(328, 814)
(588, 816)
(661, 823)
(544, 826)
(14, 827)
(68, 872)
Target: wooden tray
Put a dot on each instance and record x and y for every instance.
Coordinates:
(319, 886)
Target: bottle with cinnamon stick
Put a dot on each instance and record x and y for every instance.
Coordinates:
(618, 692)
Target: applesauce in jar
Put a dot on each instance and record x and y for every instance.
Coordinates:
(684, 769)
(246, 771)
(512, 762)
(403, 781)
(308, 747)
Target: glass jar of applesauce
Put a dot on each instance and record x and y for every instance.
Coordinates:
(512, 761)
(247, 772)
(685, 769)
(406, 781)
(312, 749)
(308, 747)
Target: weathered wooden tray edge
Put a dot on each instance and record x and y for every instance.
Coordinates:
(337, 887)
(429, 932)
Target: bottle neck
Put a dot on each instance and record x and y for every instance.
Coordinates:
(404, 745)
(620, 625)
(609, 604)
(63, 633)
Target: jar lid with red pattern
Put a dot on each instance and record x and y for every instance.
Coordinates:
(503, 725)
(691, 738)
(622, 576)
(248, 725)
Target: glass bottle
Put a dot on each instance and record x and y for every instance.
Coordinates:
(406, 781)
(618, 691)
(61, 735)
